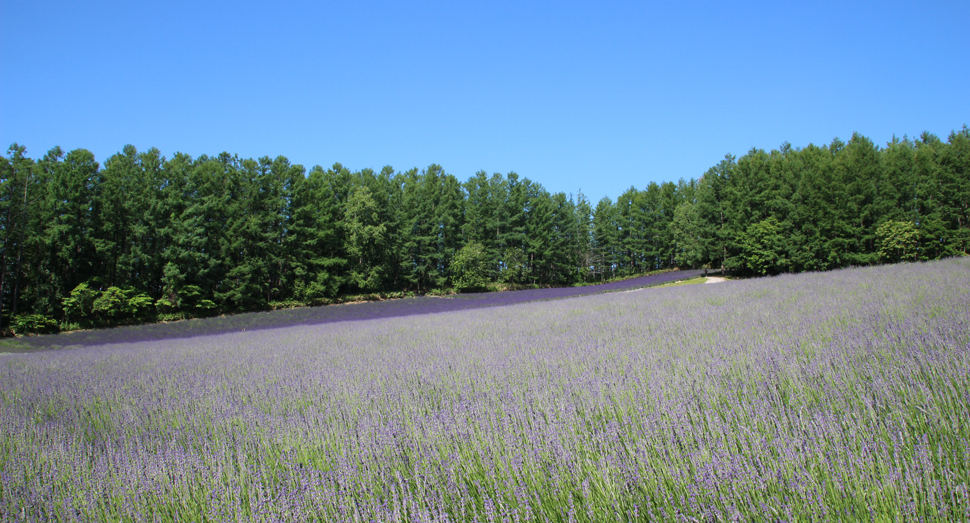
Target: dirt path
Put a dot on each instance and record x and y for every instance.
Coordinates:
(715, 279)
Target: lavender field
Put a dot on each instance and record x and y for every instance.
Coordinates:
(813, 397)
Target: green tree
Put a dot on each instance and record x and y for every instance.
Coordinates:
(813, 213)
(244, 286)
(897, 241)
(763, 248)
(477, 209)
(469, 268)
(513, 235)
(18, 197)
(115, 201)
(178, 233)
(431, 227)
(365, 238)
(316, 234)
(417, 265)
(716, 213)
(954, 183)
(541, 237)
(855, 169)
(69, 256)
(634, 229)
(686, 233)
(605, 240)
(584, 248)
(664, 247)
(119, 305)
(561, 257)
(79, 305)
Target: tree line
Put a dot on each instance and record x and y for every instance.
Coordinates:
(144, 237)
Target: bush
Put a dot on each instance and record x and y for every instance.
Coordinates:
(26, 324)
(470, 268)
(897, 241)
(90, 306)
(286, 304)
(79, 306)
(185, 302)
(123, 305)
(173, 316)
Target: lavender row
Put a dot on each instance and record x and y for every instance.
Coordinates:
(817, 397)
(332, 314)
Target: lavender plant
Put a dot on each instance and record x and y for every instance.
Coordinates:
(827, 396)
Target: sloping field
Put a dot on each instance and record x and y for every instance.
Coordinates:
(333, 314)
(817, 397)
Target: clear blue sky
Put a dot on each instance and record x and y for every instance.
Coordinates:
(569, 94)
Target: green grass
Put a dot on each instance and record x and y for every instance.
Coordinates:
(692, 281)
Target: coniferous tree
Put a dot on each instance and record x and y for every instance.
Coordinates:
(954, 189)
(606, 235)
(513, 236)
(195, 204)
(418, 266)
(115, 205)
(316, 236)
(562, 263)
(19, 194)
(431, 231)
(715, 211)
(448, 224)
(685, 228)
(476, 209)
(811, 212)
(386, 189)
(497, 214)
(632, 226)
(584, 249)
(540, 236)
(244, 287)
(856, 168)
(663, 240)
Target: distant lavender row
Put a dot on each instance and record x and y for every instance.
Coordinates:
(840, 396)
(331, 314)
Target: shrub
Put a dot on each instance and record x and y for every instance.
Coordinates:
(286, 304)
(470, 268)
(33, 324)
(122, 305)
(79, 306)
(113, 306)
(897, 241)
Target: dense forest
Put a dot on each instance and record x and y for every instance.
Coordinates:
(144, 237)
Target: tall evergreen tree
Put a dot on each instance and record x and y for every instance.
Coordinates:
(585, 246)
(563, 264)
(716, 213)
(316, 235)
(685, 228)
(19, 193)
(540, 236)
(954, 183)
(606, 235)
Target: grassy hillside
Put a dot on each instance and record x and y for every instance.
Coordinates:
(822, 396)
